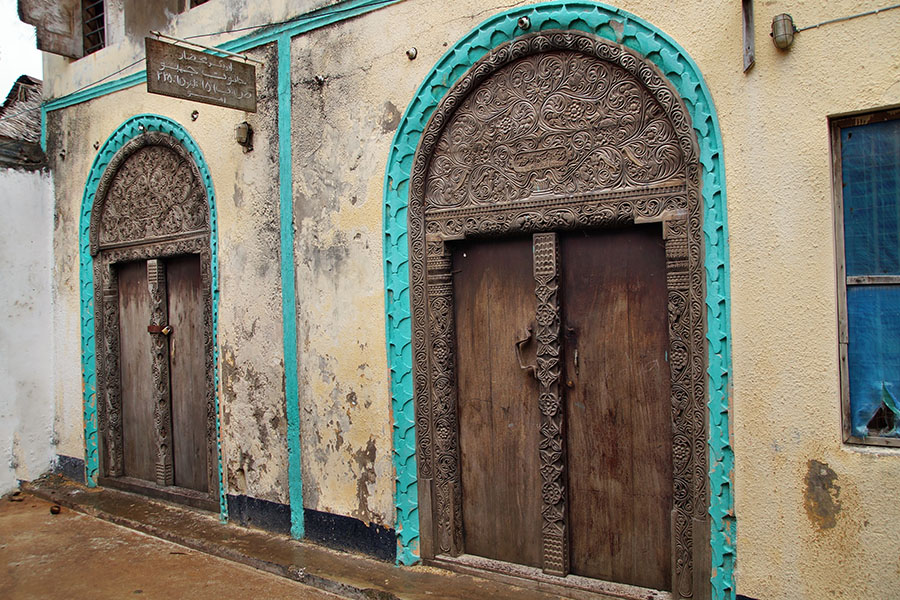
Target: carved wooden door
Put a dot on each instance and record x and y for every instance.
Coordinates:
(163, 372)
(616, 466)
(559, 358)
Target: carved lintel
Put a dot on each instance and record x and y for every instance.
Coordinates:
(665, 216)
(159, 370)
(555, 546)
(111, 388)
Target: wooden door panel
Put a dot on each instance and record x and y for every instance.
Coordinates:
(618, 406)
(138, 419)
(188, 372)
(498, 410)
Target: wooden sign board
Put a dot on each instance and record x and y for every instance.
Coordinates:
(194, 75)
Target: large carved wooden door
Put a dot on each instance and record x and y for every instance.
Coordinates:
(558, 336)
(150, 238)
(614, 374)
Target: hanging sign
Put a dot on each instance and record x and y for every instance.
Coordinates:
(181, 72)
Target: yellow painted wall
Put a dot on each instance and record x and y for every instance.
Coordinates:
(816, 517)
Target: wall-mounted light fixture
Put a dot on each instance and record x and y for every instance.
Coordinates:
(243, 135)
(783, 31)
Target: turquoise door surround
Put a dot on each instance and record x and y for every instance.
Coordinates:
(677, 66)
(127, 131)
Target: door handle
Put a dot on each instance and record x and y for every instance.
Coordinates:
(530, 369)
(572, 343)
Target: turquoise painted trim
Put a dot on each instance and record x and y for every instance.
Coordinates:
(96, 91)
(127, 131)
(302, 24)
(683, 74)
(288, 286)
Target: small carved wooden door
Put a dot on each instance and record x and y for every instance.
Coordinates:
(163, 372)
(611, 307)
(150, 243)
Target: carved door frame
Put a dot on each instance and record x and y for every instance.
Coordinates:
(674, 201)
(186, 231)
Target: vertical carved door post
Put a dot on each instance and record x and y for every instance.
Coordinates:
(162, 394)
(552, 445)
(110, 383)
(448, 490)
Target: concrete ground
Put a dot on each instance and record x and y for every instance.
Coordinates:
(69, 556)
(100, 547)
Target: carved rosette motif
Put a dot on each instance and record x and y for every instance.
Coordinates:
(153, 179)
(555, 131)
(552, 444)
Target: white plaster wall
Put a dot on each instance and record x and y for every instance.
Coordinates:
(26, 368)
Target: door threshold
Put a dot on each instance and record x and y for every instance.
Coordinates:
(178, 495)
(571, 586)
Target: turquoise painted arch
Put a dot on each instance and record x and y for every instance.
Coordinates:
(127, 131)
(681, 71)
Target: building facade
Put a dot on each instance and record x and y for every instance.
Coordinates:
(557, 290)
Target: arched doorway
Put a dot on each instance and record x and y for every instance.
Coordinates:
(556, 278)
(150, 246)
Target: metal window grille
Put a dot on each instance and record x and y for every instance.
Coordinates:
(93, 25)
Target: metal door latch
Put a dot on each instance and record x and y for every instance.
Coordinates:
(530, 369)
(163, 329)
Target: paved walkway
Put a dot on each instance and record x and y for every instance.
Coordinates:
(102, 536)
(70, 556)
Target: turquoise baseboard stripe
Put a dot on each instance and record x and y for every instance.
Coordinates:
(288, 285)
(122, 135)
(683, 74)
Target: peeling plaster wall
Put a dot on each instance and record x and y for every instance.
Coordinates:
(26, 367)
(251, 364)
(341, 133)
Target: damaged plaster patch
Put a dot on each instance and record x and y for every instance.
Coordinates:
(365, 459)
(390, 119)
(822, 500)
(256, 431)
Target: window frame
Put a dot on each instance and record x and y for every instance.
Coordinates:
(836, 124)
(87, 32)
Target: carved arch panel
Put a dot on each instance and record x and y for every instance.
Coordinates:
(557, 131)
(150, 205)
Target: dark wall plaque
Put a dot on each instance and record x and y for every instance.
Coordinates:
(194, 75)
